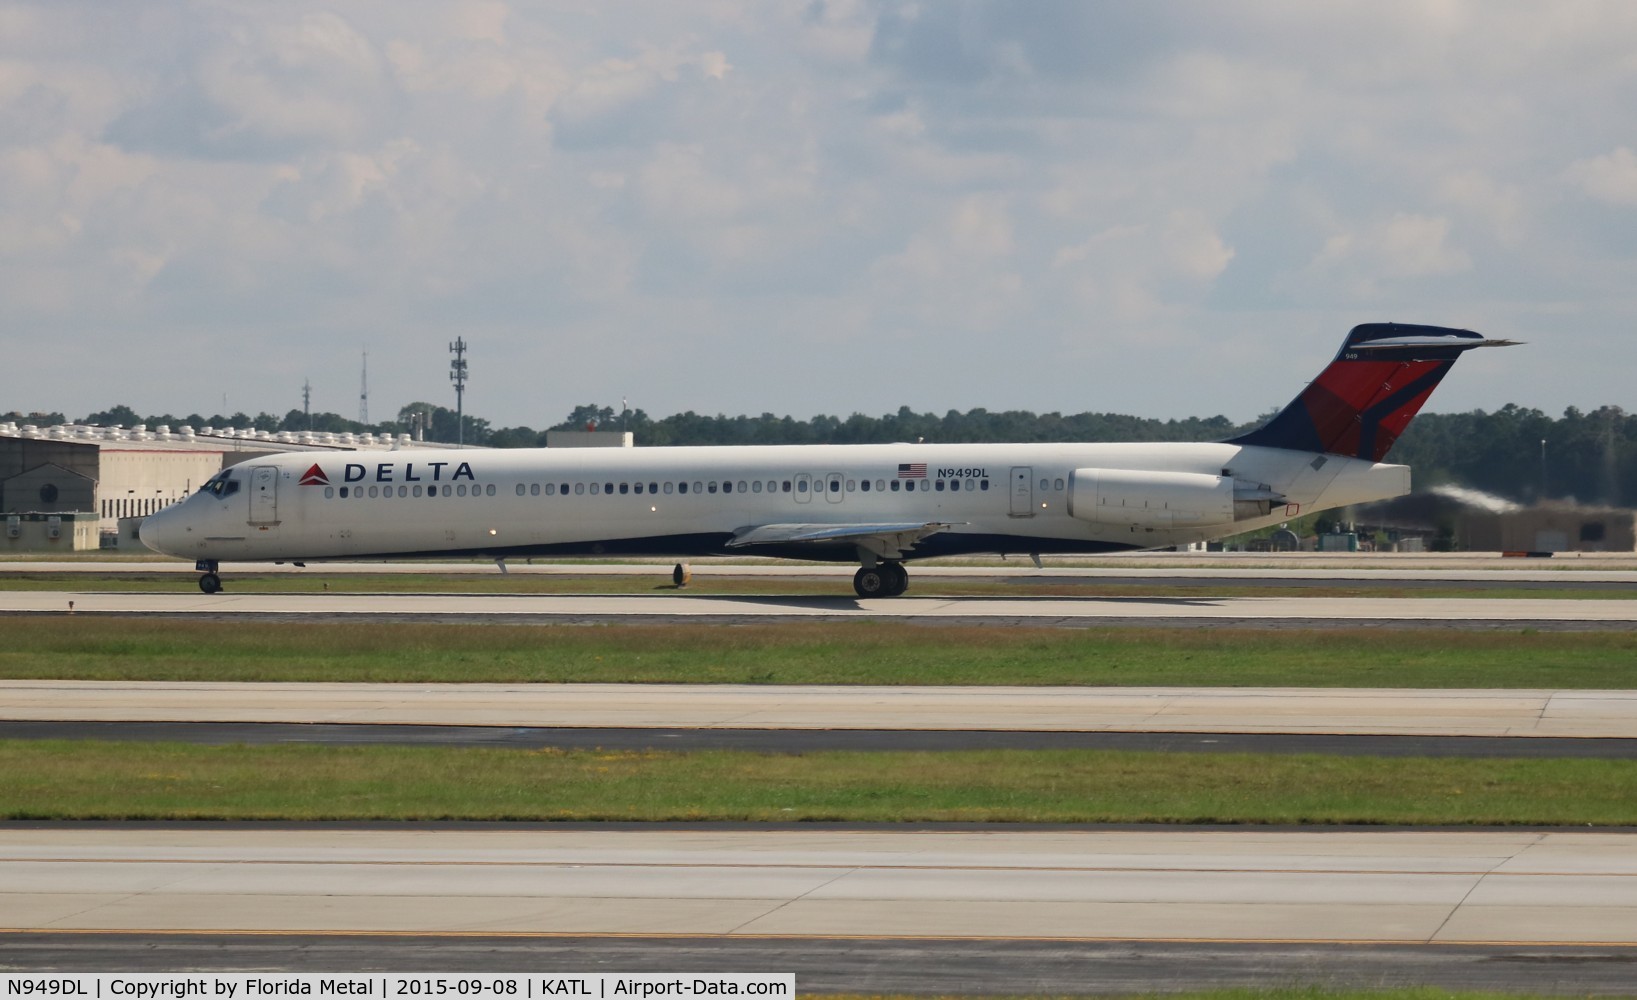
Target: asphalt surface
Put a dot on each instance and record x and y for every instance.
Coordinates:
(792, 741)
(1290, 609)
(835, 965)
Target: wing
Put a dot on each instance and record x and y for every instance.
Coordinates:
(885, 540)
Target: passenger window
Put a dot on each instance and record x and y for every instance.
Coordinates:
(489, 489)
(983, 484)
(608, 487)
(551, 489)
(446, 490)
(667, 489)
(519, 489)
(852, 485)
(787, 487)
(940, 486)
(742, 486)
(534, 489)
(460, 490)
(329, 493)
(579, 489)
(417, 491)
(636, 488)
(772, 487)
(880, 485)
(864, 484)
(563, 489)
(713, 486)
(1045, 484)
(625, 488)
(344, 492)
(954, 486)
(835, 486)
(595, 489)
(895, 486)
(756, 487)
(1057, 484)
(372, 491)
(698, 487)
(653, 487)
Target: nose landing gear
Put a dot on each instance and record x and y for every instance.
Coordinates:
(210, 583)
(884, 579)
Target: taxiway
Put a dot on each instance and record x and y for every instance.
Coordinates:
(1024, 899)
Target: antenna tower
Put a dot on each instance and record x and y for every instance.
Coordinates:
(363, 393)
(307, 401)
(457, 375)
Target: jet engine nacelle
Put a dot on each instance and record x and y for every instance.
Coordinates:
(1151, 499)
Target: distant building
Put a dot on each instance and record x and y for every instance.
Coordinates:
(1550, 528)
(94, 481)
(590, 439)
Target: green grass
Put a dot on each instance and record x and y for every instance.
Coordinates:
(317, 581)
(863, 652)
(95, 780)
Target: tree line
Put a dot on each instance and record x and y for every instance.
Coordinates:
(1523, 454)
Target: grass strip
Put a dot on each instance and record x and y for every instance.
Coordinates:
(86, 780)
(862, 652)
(316, 582)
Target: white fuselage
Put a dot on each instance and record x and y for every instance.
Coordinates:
(1002, 498)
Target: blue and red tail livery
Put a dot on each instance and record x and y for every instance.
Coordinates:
(1361, 403)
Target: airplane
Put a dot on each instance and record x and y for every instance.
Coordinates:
(880, 505)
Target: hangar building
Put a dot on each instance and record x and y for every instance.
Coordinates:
(76, 486)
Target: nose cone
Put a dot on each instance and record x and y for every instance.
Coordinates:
(155, 532)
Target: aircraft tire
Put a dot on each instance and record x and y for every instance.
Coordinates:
(900, 579)
(210, 583)
(868, 582)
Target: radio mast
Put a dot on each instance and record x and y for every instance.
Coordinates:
(457, 375)
(363, 392)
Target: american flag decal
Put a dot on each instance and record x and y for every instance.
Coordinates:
(912, 470)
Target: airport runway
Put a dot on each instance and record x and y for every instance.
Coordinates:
(1045, 901)
(803, 741)
(1362, 711)
(1263, 612)
(1580, 569)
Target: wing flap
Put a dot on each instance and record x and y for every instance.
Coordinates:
(886, 540)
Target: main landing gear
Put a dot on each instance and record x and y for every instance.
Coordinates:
(210, 583)
(884, 579)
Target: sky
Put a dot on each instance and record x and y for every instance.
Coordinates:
(819, 206)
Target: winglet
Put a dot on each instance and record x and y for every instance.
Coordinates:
(1367, 396)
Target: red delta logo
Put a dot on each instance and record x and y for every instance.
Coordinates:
(314, 477)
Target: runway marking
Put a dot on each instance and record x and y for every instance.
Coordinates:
(663, 936)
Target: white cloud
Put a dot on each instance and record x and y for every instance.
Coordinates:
(1610, 178)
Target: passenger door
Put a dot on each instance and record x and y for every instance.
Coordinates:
(1022, 491)
(264, 495)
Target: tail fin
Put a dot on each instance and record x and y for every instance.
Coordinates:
(1362, 402)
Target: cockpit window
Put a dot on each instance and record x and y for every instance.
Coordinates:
(220, 485)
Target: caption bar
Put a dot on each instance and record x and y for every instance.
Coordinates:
(395, 986)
